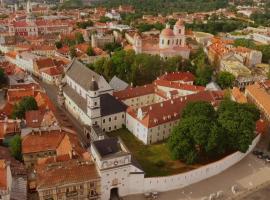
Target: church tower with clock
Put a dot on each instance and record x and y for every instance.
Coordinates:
(116, 167)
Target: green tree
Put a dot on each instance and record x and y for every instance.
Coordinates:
(112, 47)
(58, 44)
(104, 19)
(225, 79)
(79, 38)
(199, 108)
(3, 78)
(72, 52)
(84, 24)
(238, 123)
(25, 104)
(90, 51)
(15, 146)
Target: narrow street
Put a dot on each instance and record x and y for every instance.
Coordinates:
(64, 117)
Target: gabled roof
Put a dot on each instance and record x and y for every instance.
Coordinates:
(118, 84)
(170, 110)
(81, 74)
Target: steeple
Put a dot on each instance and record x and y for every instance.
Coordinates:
(28, 7)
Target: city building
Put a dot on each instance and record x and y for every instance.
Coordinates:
(169, 43)
(5, 180)
(258, 93)
(88, 97)
(64, 178)
(119, 173)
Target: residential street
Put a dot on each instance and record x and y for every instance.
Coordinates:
(66, 119)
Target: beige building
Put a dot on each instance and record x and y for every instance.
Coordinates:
(258, 94)
(66, 180)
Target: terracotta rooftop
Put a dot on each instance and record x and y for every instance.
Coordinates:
(3, 175)
(261, 96)
(170, 110)
(8, 127)
(14, 95)
(238, 95)
(42, 141)
(67, 172)
(179, 86)
(17, 167)
(178, 76)
(133, 92)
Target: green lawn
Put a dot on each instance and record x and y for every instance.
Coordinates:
(155, 159)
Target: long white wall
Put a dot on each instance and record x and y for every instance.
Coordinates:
(184, 179)
(166, 183)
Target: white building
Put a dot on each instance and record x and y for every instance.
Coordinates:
(262, 38)
(113, 15)
(88, 97)
(120, 175)
(170, 43)
(5, 180)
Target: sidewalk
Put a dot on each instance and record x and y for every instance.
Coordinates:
(248, 173)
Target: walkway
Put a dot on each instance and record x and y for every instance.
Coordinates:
(65, 118)
(248, 174)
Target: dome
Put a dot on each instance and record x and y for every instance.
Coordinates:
(179, 23)
(93, 85)
(167, 32)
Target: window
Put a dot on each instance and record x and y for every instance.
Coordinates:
(115, 118)
(103, 120)
(168, 42)
(123, 116)
(110, 119)
(162, 41)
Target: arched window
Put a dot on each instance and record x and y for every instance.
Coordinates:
(180, 31)
(168, 42)
(177, 42)
(162, 41)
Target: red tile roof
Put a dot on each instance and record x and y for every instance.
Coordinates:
(3, 175)
(178, 76)
(42, 141)
(133, 92)
(67, 172)
(14, 95)
(170, 110)
(179, 86)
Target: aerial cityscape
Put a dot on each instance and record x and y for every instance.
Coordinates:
(135, 99)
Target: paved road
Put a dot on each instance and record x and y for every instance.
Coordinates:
(249, 173)
(65, 118)
(262, 194)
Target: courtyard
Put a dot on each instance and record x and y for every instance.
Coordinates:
(155, 159)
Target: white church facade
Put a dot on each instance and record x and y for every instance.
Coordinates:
(171, 42)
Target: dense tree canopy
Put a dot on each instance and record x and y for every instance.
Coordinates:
(15, 146)
(167, 6)
(216, 26)
(84, 24)
(26, 104)
(143, 27)
(203, 70)
(265, 49)
(205, 133)
(138, 69)
(3, 78)
(225, 79)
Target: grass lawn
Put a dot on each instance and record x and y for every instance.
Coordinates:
(155, 159)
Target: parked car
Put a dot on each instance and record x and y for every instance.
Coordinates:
(257, 152)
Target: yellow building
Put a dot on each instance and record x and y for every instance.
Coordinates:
(235, 67)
